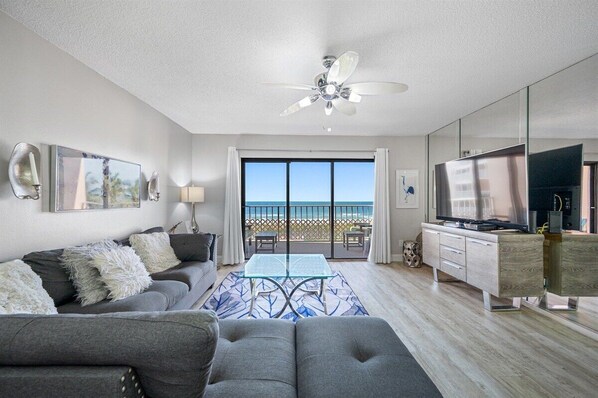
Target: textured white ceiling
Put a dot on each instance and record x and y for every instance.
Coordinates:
(201, 62)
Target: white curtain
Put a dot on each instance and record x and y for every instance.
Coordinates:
(380, 240)
(232, 238)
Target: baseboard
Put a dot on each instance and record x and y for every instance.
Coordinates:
(396, 258)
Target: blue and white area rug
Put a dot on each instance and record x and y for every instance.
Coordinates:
(232, 299)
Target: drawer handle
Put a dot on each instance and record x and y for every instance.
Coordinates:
(453, 236)
(432, 232)
(454, 251)
(479, 242)
(452, 265)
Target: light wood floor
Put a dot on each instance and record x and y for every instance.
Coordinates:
(586, 314)
(467, 351)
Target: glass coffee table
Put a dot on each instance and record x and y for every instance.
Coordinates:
(296, 268)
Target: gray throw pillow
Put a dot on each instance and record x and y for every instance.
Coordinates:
(122, 272)
(79, 263)
(191, 247)
(55, 277)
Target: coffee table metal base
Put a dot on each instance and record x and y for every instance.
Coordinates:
(321, 292)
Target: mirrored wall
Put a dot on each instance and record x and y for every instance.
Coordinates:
(443, 145)
(557, 112)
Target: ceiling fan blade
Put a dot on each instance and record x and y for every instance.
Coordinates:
(350, 96)
(343, 67)
(291, 86)
(343, 106)
(377, 88)
(297, 106)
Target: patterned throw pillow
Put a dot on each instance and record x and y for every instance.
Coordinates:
(21, 290)
(122, 272)
(155, 251)
(85, 277)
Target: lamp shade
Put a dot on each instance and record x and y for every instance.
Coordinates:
(192, 194)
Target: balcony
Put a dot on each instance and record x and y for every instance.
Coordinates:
(310, 228)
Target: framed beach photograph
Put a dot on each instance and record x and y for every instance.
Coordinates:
(86, 181)
(407, 187)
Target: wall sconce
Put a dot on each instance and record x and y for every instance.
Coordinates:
(23, 171)
(153, 187)
(192, 195)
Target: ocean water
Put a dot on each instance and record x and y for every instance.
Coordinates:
(308, 210)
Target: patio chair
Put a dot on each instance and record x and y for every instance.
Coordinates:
(357, 235)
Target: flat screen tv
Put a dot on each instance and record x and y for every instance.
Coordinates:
(485, 188)
(555, 184)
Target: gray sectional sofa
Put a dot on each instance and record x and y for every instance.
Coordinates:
(174, 289)
(144, 346)
(193, 354)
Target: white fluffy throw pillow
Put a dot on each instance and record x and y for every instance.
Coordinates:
(155, 251)
(21, 290)
(122, 272)
(85, 277)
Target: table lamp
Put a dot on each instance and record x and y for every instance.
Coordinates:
(192, 195)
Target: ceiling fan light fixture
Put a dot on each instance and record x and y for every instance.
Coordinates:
(330, 89)
(328, 108)
(330, 86)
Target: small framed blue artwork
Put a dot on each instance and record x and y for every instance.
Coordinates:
(407, 186)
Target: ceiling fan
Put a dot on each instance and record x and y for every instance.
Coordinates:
(330, 86)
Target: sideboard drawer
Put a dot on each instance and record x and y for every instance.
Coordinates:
(456, 270)
(452, 240)
(454, 255)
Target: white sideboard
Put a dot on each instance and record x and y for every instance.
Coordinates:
(503, 263)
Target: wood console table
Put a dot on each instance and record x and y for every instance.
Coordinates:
(570, 267)
(502, 263)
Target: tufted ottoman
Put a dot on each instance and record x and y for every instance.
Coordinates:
(318, 357)
(254, 358)
(356, 357)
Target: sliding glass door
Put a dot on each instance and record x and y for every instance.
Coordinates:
(353, 208)
(316, 206)
(309, 210)
(264, 199)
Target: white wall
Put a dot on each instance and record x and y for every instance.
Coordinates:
(209, 170)
(47, 97)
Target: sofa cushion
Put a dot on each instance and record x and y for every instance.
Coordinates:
(174, 291)
(254, 358)
(158, 297)
(191, 247)
(55, 279)
(189, 272)
(356, 357)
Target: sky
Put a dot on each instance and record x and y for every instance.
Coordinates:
(310, 182)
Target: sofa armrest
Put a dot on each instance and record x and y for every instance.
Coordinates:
(172, 352)
(69, 381)
(214, 249)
